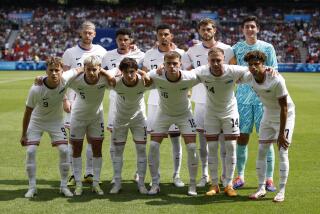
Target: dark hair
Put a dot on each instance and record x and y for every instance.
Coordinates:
(255, 55)
(163, 27)
(206, 21)
(171, 55)
(249, 19)
(124, 31)
(127, 63)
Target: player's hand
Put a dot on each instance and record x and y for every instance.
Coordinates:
(282, 142)
(111, 82)
(66, 105)
(147, 81)
(272, 71)
(38, 80)
(133, 47)
(160, 70)
(23, 140)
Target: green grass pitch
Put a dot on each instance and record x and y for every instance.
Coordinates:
(302, 194)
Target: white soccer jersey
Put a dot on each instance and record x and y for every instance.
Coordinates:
(47, 102)
(220, 90)
(174, 99)
(129, 99)
(113, 58)
(88, 102)
(269, 92)
(196, 56)
(152, 60)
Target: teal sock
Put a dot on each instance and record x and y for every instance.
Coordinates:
(242, 156)
(270, 162)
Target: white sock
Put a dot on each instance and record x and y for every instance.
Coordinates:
(97, 165)
(77, 170)
(89, 163)
(64, 164)
(230, 160)
(31, 165)
(203, 154)
(192, 162)
(118, 162)
(154, 161)
(284, 168)
(213, 161)
(176, 155)
(222, 155)
(141, 162)
(111, 150)
(261, 164)
(70, 151)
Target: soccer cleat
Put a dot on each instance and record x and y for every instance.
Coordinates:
(213, 190)
(177, 182)
(97, 189)
(192, 190)
(88, 179)
(32, 192)
(112, 181)
(203, 181)
(78, 191)
(269, 186)
(66, 192)
(115, 189)
(142, 190)
(136, 177)
(155, 189)
(279, 197)
(238, 183)
(259, 194)
(229, 191)
(71, 181)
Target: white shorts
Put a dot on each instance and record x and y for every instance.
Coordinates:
(229, 125)
(152, 111)
(55, 130)
(94, 129)
(112, 110)
(137, 125)
(198, 114)
(184, 122)
(269, 131)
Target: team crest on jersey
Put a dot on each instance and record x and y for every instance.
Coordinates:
(183, 89)
(141, 92)
(268, 91)
(101, 86)
(229, 81)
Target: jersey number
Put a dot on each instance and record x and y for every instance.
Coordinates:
(235, 123)
(211, 89)
(164, 94)
(82, 95)
(45, 104)
(154, 66)
(198, 63)
(192, 123)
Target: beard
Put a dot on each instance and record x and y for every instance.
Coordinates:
(207, 38)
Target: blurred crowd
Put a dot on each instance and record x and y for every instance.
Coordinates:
(53, 30)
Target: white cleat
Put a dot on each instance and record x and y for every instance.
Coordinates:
(32, 192)
(136, 177)
(203, 181)
(115, 189)
(112, 181)
(66, 192)
(259, 194)
(192, 190)
(177, 182)
(78, 191)
(97, 189)
(279, 197)
(155, 189)
(142, 190)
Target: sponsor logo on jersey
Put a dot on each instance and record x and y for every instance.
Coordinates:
(78, 58)
(62, 90)
(229, 81)
(207, 81)
(152, 60)
(183, 89)
(46, 98)
(268, 91)
(111, 60)
(198, 55)
(101, 86)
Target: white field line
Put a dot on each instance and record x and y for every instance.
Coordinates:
(15, 80)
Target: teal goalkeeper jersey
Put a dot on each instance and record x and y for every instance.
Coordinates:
(245, 94)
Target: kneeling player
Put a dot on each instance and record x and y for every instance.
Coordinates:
(277, 122)
(44, 113)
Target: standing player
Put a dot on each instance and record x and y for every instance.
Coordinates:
(87, 119)
(73, 58)
(249, 105)
(112, 60)
(129, 114)
(197, 55)
(152, 60)
(174, 108)
(221, 113)
(277, 122)
(44, 113)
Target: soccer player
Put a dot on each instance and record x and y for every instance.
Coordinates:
(73, 58)
(221, 113)
(249, 105)
(87, 119)
(152, 60)
(277, 122)
(44, 113)
(112, 60)
(197, 55)
(129, 114)
(174, 108)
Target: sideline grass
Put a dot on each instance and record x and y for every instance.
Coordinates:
(302, 189)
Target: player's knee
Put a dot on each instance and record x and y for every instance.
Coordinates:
(243, 139)
(76, 148)
(31, 152)
(63, 150)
